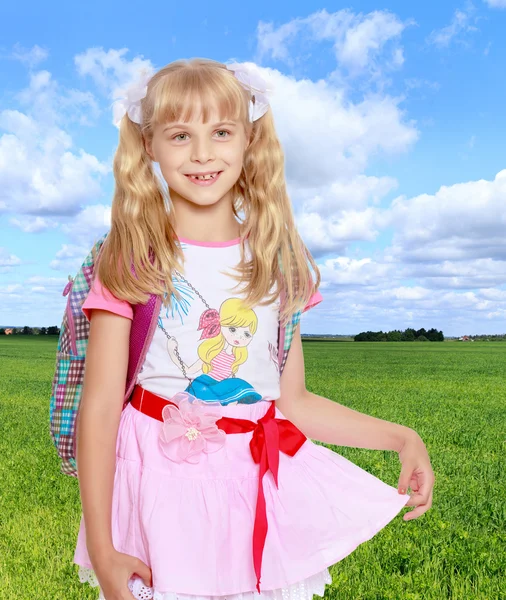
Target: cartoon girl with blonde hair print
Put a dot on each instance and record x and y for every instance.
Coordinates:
(226, 335)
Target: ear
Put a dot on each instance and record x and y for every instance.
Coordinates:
(149, 148)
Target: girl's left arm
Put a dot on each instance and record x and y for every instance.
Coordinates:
(327, 421)
(331, 423)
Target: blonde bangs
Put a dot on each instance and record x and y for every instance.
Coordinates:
(178, 93)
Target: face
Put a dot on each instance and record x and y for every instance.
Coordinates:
(193, 148)
(237, 336)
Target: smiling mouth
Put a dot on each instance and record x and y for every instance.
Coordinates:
(206, 177)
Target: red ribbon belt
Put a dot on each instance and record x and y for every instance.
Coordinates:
(270, 435)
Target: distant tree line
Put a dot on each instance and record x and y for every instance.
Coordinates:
(53, 330)
(408, 335)
(499, 337)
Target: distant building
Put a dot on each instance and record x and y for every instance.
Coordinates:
(9, 331)
(465, 338)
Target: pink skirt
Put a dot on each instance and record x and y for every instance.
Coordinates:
(192, 523)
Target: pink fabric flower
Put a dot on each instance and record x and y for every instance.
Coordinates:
(188, 430)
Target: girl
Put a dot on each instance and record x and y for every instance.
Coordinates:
(176, 498)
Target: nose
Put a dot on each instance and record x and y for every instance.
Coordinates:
(202, 150)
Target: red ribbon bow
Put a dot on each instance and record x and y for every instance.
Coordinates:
(270, 435)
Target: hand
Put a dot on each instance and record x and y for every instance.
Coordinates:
(113, 572)
(417, 473)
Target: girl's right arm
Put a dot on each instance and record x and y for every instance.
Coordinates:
(98, 422)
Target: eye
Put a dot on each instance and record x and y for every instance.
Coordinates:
(231, 329)
(246, 334)
(178, 135)
(223, 131)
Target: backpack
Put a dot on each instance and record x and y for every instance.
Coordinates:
(67, 381)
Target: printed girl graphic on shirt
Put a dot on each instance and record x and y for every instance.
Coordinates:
(226, 335)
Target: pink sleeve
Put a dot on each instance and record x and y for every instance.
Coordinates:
(315, 299)
(101, 297)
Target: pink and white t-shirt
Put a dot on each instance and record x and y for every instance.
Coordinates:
(208, 343)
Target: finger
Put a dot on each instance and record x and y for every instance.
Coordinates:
(404, 479)
(424, 490)
(144, 573)
(415, 513)
(416, 499)
(419, 510)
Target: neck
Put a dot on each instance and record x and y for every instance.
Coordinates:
(216, 223)
(210, 233)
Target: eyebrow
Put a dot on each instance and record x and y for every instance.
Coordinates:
(185, 125)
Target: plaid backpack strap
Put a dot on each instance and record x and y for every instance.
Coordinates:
(69, 369)
(285, 334)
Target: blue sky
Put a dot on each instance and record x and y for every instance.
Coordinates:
(391, 117)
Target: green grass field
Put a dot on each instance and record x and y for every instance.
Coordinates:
(453, 395)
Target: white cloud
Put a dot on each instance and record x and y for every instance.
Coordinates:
(326, 137)
(333, 234)
(84, 230)
(274, 41)
(29, 224)
(496, 3)
(353, 194)
(30, 56)
(328, 142)
(362, 40)
(8, 261)
(49, 283)
(359, 296)
(69, 258)
(11, 289)
(460, 25)
(459, 222)
(51, 104)
(110, 71)
(446, 267)
(90, 224)
(18, 299)
(362, 43)
(412, 83)
(410, 293)
(40, 172)
(343, 271)
(460, 274)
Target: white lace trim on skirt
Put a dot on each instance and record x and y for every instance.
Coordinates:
(302, 590)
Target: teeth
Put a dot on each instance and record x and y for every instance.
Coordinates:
(210, 176)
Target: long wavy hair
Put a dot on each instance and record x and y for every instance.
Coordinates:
(141, 249)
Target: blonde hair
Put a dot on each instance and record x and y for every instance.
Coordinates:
(233, 313)
(142, 234)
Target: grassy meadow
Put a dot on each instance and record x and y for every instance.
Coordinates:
(452, 394)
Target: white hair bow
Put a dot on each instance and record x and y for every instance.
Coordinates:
(130, 102)
(256, 86)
